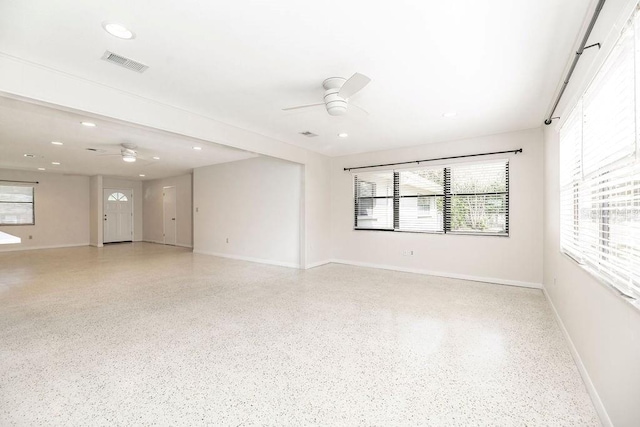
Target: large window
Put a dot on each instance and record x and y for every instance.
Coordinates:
(600, 170)
(464, 198)
(16, 205)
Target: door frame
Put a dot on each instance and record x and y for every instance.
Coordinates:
(133, 214)
(175, 223)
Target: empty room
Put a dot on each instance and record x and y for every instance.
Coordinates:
(338, 213)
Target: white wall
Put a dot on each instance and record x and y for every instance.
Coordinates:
(136, 187)
(61, 211)
(96, 230)
(516, 259)
(256, 204)
(153, 209)
(603, 329)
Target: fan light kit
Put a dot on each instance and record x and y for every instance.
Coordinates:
(88, 124)
(118, 30)
(337, 91)
(57, 143)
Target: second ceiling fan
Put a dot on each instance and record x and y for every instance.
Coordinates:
(338, 90)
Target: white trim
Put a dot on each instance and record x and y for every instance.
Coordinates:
(317, 264)
(71, 245)
(591, 389)
(494, 280)
(250, 259)
(161, 243)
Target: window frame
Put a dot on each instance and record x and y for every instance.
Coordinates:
(32, 203)
(446, 201)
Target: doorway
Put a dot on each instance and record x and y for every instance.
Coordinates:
(118, 215)
(169, 215)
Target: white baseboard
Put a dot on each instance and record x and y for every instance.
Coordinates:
(443, 274)
(250, 259)
(317, 264)
(591, 389)
(162, 243)
(34, 248)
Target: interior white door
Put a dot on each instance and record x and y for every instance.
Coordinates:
(118, 215)
(169, 215)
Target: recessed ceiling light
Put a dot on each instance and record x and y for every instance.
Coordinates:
(41, 169)
(197, 148)
(88, 124)
(343, 135)
(142, 174)
(57, 143)
(55, 163)
(129, 159)
(156, 158)
(31, 156)
(118, 30)
(449, 114)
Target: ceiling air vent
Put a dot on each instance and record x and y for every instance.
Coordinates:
(308, 134)
(127, 63)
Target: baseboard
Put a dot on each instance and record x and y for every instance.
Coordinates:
(162, 243)
(591, 389)
(35, 248)
(317, 264)
(443, 274)
(250, 259)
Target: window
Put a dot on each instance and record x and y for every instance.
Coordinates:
(465, 199)
(600, 171)
(117, 197)
(16, 205)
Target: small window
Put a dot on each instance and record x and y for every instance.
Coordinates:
(16, 205)
(117, 197)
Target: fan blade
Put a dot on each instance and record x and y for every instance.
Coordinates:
(302, 106)
(360, 108)
(355, 84)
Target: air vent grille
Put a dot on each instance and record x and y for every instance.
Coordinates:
(308, 134)
(127, 63)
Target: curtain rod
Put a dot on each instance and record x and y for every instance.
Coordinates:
(587, 33)
(519, 150)
(21, 182)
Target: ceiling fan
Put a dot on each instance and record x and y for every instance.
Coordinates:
(338, 90)
(127, 151)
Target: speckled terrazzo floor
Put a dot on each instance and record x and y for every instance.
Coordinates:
(145, 334)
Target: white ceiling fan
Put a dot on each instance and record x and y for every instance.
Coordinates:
(127, 151)
(338, 90)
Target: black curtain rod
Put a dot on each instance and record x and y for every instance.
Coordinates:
(21, 182)
(594, 18)
(519, 150)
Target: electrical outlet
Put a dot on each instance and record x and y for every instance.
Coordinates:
(197, 209)
(30, 237)
(227, 240)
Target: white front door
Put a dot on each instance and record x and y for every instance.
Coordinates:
(169, 213)
(118, 215)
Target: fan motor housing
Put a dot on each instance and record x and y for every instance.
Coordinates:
(336, 105)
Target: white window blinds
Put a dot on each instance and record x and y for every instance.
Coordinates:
(421, 204)
(600, 171)
(471, 198)
(374, 200)
(16, 205)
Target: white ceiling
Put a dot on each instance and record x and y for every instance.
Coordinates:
(497, 63)
(27, 128)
